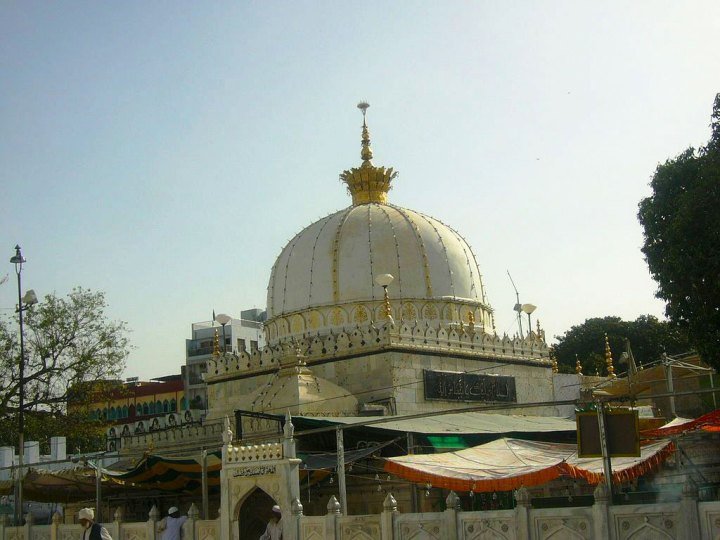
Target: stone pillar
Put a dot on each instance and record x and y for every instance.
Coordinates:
(117, 522)
(27, 528)
(689, 515)
(153, 518)
(602, 526)
(54, 525)
(297, 514)
(387, 518)
(452, 507)
(32, 453)
(522, 514)
(190, 526)
(58, 448)
(7, 458)
(331, 518)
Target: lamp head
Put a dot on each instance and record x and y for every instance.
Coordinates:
(528, 308)
(223, 319)
(384, 279)
(17, 258)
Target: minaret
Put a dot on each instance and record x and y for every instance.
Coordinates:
(367, 183)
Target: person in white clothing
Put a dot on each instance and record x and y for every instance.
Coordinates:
(92, 530)
(171, 526)
(274, 526)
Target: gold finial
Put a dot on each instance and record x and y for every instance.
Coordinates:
(609, 359)
(366, 153)
(555, 368)
(384, 280)
(216, 344)
(578, 366)
(367, 183)
(471, 319)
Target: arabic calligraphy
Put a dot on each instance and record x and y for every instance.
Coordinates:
(468, 387)
(259, 470)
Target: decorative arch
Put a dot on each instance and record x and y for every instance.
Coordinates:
(297, 324)
(314, 319)
(338, 317)
(252, 512)
(166, 406)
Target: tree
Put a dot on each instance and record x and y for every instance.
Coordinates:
(69, 343)
(648, 338)
(682, 240)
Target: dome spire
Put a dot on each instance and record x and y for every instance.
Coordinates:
(366, 152)
(367, 183)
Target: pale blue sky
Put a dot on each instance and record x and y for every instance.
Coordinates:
(164, 152)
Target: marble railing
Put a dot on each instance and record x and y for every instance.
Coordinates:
(437, 338)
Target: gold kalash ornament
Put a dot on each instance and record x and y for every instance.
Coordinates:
(368, 183)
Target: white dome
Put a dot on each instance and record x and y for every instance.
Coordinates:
(335, 261)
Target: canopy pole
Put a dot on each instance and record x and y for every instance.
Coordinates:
(340, 469)
(203, 464)
(607, 463)
(413, 487)
(98, 491)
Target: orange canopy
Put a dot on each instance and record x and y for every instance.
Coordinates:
(507, 464)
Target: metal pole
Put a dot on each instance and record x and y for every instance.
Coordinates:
(224, 342)
(413, 487)
(21, 394)
(712, 385)
(203, 464)
(98, 493)
(607, 463)
(341, 470)
(670, 387)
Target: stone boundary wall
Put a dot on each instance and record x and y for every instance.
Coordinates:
(193, 529)
(684, 520)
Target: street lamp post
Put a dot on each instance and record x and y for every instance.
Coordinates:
(29, 299)
(223, 320)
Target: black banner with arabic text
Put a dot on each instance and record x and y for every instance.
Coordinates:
(468, 387)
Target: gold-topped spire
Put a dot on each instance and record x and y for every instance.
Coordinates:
(609, 359)
(367, 183)
(366, 153)
(216, 344)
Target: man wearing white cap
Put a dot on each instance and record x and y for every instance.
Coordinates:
(274, 526)
(92, 530)
(171, 525)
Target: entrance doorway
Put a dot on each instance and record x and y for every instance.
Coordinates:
(254, 514)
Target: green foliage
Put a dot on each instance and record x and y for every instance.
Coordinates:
(69, 343)
(648, 337)
(682, 240)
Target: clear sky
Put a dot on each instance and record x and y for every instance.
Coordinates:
(165, 152)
